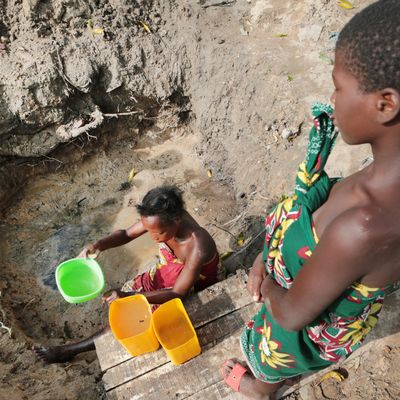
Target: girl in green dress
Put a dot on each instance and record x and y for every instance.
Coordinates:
(333, 247)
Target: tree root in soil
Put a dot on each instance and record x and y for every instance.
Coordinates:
(3, 317)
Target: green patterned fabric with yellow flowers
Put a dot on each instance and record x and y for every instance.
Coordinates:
(273, 353)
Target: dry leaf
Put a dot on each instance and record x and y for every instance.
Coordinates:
(225, 255)
(95, 31)
(325, 57)
(282, 198)
(209, 173)
(333, 374)
(240, 239)
(146, 27)
(346, 4)
(132, 174)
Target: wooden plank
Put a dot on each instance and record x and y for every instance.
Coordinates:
(219, 299)
(109, 351)
(203, 307)
(209, 335)
(219, 390)
(133, 368)
(180, 382)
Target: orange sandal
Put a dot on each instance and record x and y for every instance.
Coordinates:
(235, 376)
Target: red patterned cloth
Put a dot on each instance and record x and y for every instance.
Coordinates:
(165, 273)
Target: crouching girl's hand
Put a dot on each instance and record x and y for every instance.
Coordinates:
(111, 295)
(256, 277)
(90, 251)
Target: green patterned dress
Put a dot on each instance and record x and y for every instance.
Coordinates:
(273, 353)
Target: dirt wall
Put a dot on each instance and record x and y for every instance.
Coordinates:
(246, 72)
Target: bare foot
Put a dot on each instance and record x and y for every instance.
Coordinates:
(249, 385)
(54, 354)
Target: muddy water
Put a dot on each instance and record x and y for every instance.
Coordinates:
(139, 253)
(59, 213)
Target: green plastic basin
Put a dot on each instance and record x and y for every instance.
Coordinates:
(79, 279)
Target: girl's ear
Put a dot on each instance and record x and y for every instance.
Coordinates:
(388, 105)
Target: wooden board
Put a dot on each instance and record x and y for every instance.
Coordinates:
(218, 391)
(109, 351)
(183, 381)
(203, 307)
(209, 336)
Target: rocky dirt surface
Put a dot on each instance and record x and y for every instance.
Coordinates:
(368, 374)
(211, 95)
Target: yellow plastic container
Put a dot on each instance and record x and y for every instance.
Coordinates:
(132, 325)
(175, 332)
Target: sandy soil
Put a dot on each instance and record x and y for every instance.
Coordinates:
(214, 87)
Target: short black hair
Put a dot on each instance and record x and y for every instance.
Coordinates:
(370, 45)
(164, 201)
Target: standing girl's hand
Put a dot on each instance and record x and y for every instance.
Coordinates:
(256, 277)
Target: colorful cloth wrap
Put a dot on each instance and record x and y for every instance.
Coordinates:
(165, 272)
(273, 353)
